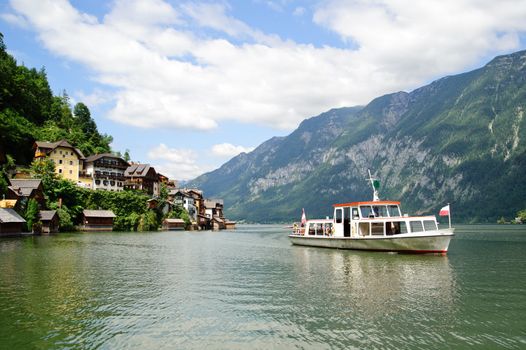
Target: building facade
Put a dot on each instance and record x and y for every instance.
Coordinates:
(68, 160)
(142, 177)
(105, 171)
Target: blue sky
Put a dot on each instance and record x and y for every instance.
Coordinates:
(186, 85)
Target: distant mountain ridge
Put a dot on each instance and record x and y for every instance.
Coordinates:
(460, 139)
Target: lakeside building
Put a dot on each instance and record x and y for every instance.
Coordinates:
(68, 159)
(104, 172)
(50, 221)
(181, 197)
(173, 225)
(97, 220)
(25, 189)
(11, 224)
(142, 177)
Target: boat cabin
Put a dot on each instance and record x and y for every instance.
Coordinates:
(377, 218)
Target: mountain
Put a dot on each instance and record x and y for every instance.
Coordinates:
(458, 140)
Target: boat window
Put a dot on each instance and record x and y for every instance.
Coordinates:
(403, 227)
(416, 226)
(366, 211)
(311, 229)
(339, 216)
(319, 229)
(380, 210)
(430, 225)
(355, 214)
(377, 228)
(394, 210)
(363, 229)
(392, 228)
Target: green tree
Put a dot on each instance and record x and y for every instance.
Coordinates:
(31, 214)
(4, 174)
(44, 169)
(126, 156)
(148, 221)
(179, 212)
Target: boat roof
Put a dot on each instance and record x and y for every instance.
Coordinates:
(355, 204)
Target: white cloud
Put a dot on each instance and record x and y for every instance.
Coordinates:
(299, 11)
(176, 163)
(14, 19)
(229, 150)
(408, 41)
(169, 71)
(95, 98)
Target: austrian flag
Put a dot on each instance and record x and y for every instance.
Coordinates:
(444, 211)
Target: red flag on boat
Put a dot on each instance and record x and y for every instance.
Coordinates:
(444, 211)
(303, 217)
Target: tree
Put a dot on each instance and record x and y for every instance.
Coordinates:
(31, 214)
(83, 119)
(44, 168)
(4, 174)
(127, 155)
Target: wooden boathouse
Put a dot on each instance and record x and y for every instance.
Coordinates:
(11, 224)
(97, 220)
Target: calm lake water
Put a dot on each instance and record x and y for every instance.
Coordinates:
(250, 288)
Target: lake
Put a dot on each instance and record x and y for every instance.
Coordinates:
(250, 288)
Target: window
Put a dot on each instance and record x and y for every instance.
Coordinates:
(394, 210)
(71, 171)
(319, 229)
(380, 210)
(70, 162)
(105, 182)
(97, 182)
(430, 225)
(395, 228)
(60, 152)
(416, 226)
(60, 171)
(377, 229)
(112, 183)
(339, 216)
(60, 161)
(366, 211)
(311, 229)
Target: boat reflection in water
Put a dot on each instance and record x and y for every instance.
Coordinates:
(367, 286)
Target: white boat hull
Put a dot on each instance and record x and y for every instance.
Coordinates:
(428, 242)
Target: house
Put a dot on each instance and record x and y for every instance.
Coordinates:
(173, 224)
(50, 221)
(104, 172)
(213, 208)
(68, 159)
(230, 225)
(97, 220)
(142, 177)
(11, 224)
(184, 199)
(26, 189)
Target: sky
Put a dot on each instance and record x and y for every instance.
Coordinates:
(187, 85)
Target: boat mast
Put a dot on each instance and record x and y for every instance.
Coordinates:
(375, 185)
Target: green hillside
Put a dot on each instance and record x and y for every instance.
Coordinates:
(29, 112)
(458, 140)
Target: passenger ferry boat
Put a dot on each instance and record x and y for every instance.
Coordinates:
(376, 225)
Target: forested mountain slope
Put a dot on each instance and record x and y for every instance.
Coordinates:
(460, 139)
